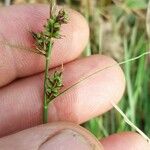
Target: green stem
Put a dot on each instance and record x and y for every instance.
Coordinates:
(129, 83)
(45, 110)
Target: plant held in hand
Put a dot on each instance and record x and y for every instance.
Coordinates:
(44, 42)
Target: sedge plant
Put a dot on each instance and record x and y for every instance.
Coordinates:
(52, 84)
(44, 41)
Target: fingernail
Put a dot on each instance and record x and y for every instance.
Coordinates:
(67, 140)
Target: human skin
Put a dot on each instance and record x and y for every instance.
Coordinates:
(21, 87)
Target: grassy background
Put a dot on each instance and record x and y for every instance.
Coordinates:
(118, 29)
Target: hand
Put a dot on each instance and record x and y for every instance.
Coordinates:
(21, 82)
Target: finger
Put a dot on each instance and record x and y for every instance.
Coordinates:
(21, 103)
(124, 141)
(16, 21)
(55, 136)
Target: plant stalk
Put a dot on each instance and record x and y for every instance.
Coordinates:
(45, 110)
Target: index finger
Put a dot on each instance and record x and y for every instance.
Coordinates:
(14, 27)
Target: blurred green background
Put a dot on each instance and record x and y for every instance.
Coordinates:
(120, 29)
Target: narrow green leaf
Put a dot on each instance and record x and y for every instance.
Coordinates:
(136, 4)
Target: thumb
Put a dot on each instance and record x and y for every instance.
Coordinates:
(54, 136)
